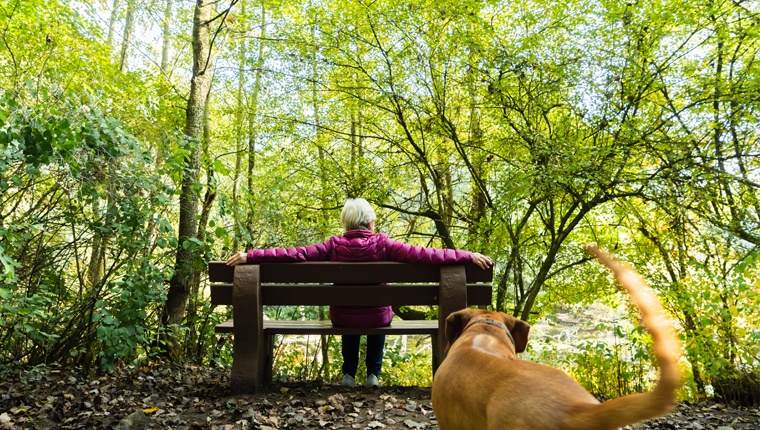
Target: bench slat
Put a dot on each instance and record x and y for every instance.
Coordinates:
(325, 327)
(352, 295)
(375, 272)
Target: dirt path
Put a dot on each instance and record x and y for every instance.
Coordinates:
(198, 398)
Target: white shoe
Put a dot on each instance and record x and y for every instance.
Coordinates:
(372, 381)
(348, 381)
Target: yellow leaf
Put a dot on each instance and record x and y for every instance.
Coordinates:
(284, 390)
(150, 410)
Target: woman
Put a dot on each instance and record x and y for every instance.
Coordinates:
(360, 243)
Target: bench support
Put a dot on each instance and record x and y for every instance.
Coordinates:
(453, 297)
(249, 349)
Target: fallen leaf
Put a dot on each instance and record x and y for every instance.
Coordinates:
(411, 406)
(150, 411)
(414, 425)
(284, 390)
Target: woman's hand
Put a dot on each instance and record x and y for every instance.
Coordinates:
(477, 258)
(239, 258)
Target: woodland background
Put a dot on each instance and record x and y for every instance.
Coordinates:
(140, 139)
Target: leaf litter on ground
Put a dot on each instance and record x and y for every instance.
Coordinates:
(164, 396)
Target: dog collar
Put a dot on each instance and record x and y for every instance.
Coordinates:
(497, 324)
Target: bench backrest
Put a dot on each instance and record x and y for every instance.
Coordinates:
(294, 283)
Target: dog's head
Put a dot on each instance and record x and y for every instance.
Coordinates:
(456, 323)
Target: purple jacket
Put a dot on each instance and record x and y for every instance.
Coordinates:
(361, 245)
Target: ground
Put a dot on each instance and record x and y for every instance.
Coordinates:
(190, 397)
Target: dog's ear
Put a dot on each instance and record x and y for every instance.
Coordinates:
(520, 332)
(454, 325)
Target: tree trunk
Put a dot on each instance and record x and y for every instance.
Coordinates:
(238, 142)
(478, 206)
(208, 203)
(167, 40)
(112, 23)
(567, 224)
(128, 30)
(179, 287)
(318, 137)
(252, 135)
(95, 268)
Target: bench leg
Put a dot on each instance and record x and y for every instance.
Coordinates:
(436, 353)
(452, 297)
(248, 351)
(268, 358)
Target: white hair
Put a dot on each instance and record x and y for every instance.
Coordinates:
(357, 214)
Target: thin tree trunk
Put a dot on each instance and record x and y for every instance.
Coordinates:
(208, 203)
(112, 23)
(127, 40)
(252, 135)
(95, 268)
(478, 206)
(324, 369)
(179, 287)
(167, 39)
(318, 137)
(238, 141)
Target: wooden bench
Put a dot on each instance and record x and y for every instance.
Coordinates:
(251, 286)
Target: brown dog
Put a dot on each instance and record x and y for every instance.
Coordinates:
(482, 385)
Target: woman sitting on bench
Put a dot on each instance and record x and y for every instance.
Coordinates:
(360, 243)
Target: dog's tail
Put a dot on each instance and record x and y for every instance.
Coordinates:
(631, 409)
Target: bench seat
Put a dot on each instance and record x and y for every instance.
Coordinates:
(272, 327)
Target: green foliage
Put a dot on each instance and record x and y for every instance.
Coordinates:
(407, 364)
(522, 132)
(613, 370)
(67, 155)
(123, 326)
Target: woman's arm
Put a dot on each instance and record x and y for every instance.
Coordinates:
(399, 251)
(316, 252)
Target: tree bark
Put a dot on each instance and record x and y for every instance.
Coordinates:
(95, 268)
(478, 206)
(239, 141)
(252, 134)
(112, 23)
(127, 40)
(167, 40)
(179, 287)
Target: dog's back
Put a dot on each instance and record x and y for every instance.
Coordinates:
(482, 385)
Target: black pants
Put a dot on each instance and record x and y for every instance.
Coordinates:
(350, 351)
